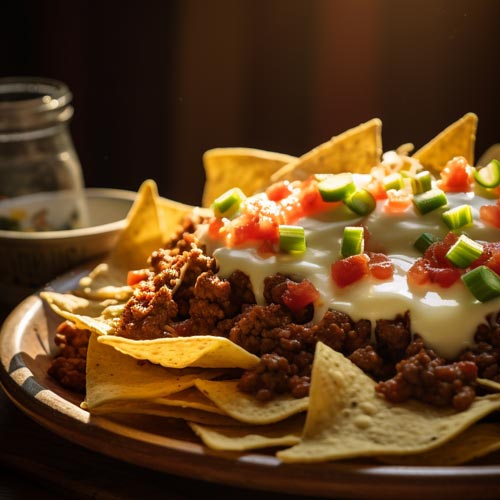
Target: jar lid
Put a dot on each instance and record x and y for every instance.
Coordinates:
(28, 103)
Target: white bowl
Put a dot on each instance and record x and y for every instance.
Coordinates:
(29, 260)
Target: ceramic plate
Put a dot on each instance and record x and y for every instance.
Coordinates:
(26, 348)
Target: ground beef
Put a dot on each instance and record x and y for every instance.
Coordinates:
(68, 367)
(287, 349)
(164, 297)
(485, 353)
(423, 375)
(182, 296)
(274, 289)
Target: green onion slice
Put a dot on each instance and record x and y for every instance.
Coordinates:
(228, 203)
(488, 176)
(361, 202)
(421, 182)
(458, 217)
(393, 181)
(352, 241)
(464, 252)
(483, 283)
(292, 239)
(424, 241)
(336, 187)
(429, 200)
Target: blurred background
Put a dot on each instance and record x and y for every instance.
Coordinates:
(156, 83)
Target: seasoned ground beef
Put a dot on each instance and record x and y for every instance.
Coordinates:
(183, 296)
(68, 367)
(485, 354)
(423, 375)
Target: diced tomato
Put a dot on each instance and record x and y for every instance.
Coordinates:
(490, 214)
(380, 266)
(494, 262)
(423, 272)
(310, 198)
(434, 267)
(445, 277)
(377, 189)
(262, 206)
(253, 227)
(136, 276)
(305, 199)
(267, 247)
(490, 257)
(214, 228)
(418, 274)
(455, 177)
(299, 295)
(398, 201)
(279, 190)
(291, 209)
(349, 270)
(436, 253)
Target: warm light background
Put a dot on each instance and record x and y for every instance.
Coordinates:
(156, 83)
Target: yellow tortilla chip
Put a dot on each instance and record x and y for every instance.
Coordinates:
(181, 352)
(189, 398)
(142, 233)
(112, 376)
(104, 282)
(475, 442)
(98, 316)
(355, 150)
(245, 407)
(458, 139)
(172, 214)
(246, 168)
(347, 419)
(284, 433)
(129, 409)
(489, 384)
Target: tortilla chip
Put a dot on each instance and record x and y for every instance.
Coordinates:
(284, 433)
(245, 407)
(246, 168)
(475, 442)
(172, 214)
(190, 398)
(347, 419)
(98, 316)
(104, 282)
(355, 150)
(489, 384)
(129, 408)
(142, 233)
(458, 139)
(112, 376)
(180, 352)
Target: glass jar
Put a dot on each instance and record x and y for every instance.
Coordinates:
(41, 181)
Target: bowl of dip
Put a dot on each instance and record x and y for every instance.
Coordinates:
(31, 258)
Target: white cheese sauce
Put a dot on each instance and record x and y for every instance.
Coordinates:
(445, 318)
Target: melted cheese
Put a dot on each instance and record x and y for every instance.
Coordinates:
(445, 318)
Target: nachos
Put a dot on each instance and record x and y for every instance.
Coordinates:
(348, 307)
